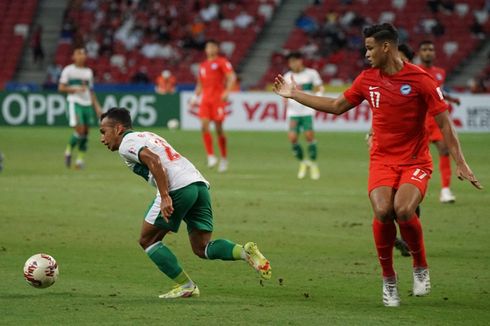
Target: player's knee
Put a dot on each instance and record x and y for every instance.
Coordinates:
(199, 251)
(144, 243)
(384, 212)
(404, 212)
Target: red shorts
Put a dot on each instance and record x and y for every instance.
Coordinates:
(433, 129)
(395, 175)
(213, 110)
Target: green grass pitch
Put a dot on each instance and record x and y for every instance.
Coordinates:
(317, 236)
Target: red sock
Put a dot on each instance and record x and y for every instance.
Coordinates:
(384, 238)
(445, 168)
(208, 142)
(411, 232)
(222, 145)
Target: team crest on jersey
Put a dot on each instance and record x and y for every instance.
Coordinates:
(438, 76)
(214, 66)
(405, 89)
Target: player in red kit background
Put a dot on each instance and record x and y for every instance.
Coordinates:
(400, 95)
(215, 81)
(427, 55)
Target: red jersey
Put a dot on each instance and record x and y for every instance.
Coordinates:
(437, 73)
(212, 75)
(399, 104)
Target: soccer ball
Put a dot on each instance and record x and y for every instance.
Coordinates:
(173, 124)
(41, 271)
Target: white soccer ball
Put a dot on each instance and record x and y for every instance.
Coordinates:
(41, 271)
(173, 124)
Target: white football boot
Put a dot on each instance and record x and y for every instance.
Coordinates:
(212, 161)
(223, 165)
(390, 293)
(421, 282)
(447, 196)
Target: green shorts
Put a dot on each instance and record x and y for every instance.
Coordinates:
(301, 123)
(80, 115)
(191, 204)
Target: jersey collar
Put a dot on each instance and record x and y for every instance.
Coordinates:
(127, 132)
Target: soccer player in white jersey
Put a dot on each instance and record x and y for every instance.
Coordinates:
(182, 194)
(77, 81)
(300, 117)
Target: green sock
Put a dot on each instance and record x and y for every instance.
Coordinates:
(72, 142)
(82, 145)
(312, 150)
(224, 250)
(298, 151)
(167, 262)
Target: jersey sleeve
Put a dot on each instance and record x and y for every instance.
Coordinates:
(64, 76)
(226, 66)
(131, 147)
(354, 94)
(91, 80)
(433, 97)
(317, 80)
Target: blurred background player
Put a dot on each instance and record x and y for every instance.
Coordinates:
(165, 83)
(301, 117)
(182, 195)
(77, 81)
(427, 54)
(215, 81)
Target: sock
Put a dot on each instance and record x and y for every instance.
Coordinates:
(208, 142)
(222, 145)
(411, 232)
(445, 169)
(384, 238)
(82, 145)
(312, 150)
(167, 262)
(298, 151)
(72, 142)
(224, 250)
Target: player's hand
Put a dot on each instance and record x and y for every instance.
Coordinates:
(369, 140)
(194, 100)
(166, 207)
(456, 101)
(284, 88)
(464, 172)
(224, 96)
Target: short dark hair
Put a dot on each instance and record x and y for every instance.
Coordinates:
(120, 115)
(294, 55)
(382, 33)
(212, 41)
(407, 51)
(425, 42)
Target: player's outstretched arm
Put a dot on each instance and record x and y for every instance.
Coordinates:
(463, 171)
(325, 104)
(153, 162)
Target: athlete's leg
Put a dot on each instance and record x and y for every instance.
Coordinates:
(446, 195)
(208, 142)
(312, 153)
(222, 249)
(407, 198)
(293, 139)
(82, 146)
(384, 229)
(221, 137)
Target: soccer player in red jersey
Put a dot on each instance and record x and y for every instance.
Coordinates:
(400, 95)
(215, 82)
(427, 55)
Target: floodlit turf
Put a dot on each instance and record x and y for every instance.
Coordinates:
(317, 236)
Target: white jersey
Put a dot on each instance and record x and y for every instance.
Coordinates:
(180, 171)
(74, 76)
(306, 80)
